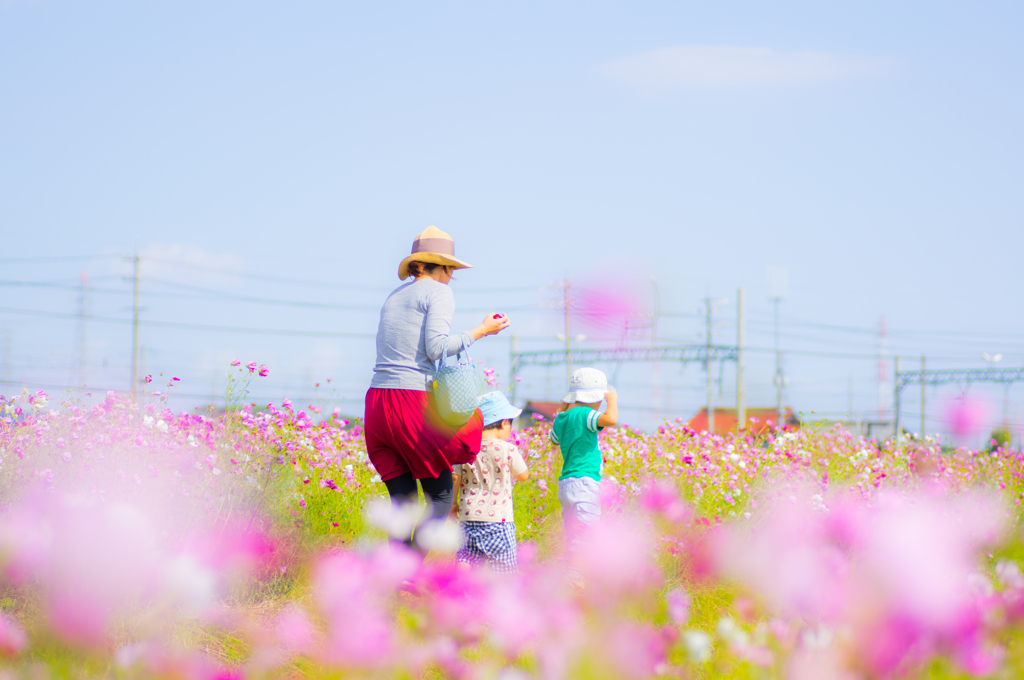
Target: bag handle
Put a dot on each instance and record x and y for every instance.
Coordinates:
(445, 355)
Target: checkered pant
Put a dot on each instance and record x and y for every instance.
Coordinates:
(493, 542)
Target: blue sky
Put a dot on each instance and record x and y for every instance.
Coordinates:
(874, 150)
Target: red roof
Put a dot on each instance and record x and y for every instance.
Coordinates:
(758, 419)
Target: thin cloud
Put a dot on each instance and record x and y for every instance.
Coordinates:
(189, 263)
(723, 67)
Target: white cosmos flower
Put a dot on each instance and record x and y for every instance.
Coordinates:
(397, 521)
(698, 646)
(439, 535)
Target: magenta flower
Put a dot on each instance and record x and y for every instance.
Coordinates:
(236, 362)
(251, 366)
(148, 379)
(264, 371)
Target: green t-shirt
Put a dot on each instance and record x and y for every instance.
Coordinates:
(575, 432)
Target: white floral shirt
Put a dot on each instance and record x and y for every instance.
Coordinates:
(485, 486)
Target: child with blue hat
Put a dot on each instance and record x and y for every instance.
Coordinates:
(484, 507)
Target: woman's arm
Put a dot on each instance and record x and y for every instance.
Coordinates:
(438, 325)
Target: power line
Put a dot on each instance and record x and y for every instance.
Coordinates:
(206, 292)
(874, 332)
(192, 326)
(91, 389)
(305, 282)
(66, 258)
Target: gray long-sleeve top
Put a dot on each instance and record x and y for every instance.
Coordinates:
(414, 328)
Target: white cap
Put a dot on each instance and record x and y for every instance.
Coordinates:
(587, 386)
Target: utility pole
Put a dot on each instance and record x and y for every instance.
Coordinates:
(83, 312)
(741, 404)
(778, 285)
(513, 348)
(883, 372)
(922, 398)
(707, 367)
(655, 372)
(849, 405)
(780, 414)
(135, 323)
(7, 353)
(567, 307)
(896, 398)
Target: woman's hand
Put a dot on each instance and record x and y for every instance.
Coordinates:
(491, 325)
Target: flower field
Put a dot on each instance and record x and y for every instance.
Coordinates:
(136, 541)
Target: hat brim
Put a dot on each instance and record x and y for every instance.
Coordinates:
(585, 396)
(510, 414)
(434, 258)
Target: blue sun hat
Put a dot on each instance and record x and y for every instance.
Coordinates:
(495, 408)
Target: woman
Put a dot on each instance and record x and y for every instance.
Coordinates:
(405, 438)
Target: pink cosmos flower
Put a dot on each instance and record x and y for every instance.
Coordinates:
(13, 639)
(662, 497)
(678, 603)
(352, 595)
(966, 415)
(251, 366)
(895, 573)
(295, 630)
(264, 371)
(148, 379)
(236, 362)
(615, 557)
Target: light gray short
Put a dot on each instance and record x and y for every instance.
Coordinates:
(580, 498)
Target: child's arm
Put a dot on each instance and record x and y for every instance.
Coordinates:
(519, 469)
(454, 513)
(611, 414)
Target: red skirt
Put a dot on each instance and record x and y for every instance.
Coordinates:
(405, 434)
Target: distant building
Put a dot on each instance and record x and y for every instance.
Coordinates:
(758, 420)
(868, 429)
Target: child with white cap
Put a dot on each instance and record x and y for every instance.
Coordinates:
(575, 433)
(484, 507)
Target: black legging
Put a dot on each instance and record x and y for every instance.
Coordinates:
(439, 492)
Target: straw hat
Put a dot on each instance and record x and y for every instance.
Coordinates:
(432, 245)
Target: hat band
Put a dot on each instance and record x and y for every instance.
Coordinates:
(441, 246)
